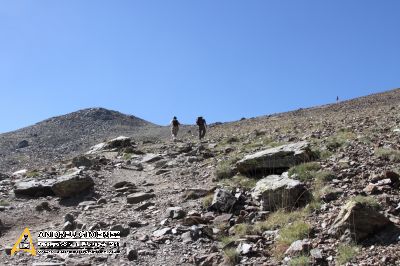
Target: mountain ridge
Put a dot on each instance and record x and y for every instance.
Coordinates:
(66, 135)
(61, 137)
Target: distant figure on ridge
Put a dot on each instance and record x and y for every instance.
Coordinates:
(201, 122)
(174, 128)
(337, 98)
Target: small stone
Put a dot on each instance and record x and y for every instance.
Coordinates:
(299, 247)
(222, 219)
(161, 232)
(244, 248)
(8, 249)
(371, 189)
(43, 206)
(164, 222)
(194, 220)
(102, 201)
(69, 218)
(144, 206)
(124, 231)
(68, 226)
(136, 224)
(186, 237)
(132, 254)
(120, 184)
(143, 238)
(139, 197)
(316, 254)
(175, 213)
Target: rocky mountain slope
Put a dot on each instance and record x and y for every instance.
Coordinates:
(317, 186)
(61, 137)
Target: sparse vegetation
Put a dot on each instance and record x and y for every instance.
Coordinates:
(33, 173)
(225, 169)
(322, 154)
(191, 195)
(279, 219)
(339, 139)
(345, 253)
(288, 234)
(314, 205)
(300, 261)
(388, 154)
(294, 231)
(265, 143)
(305, 171)
(231, 140)
(207, 200)
(127, 156)
(223, 227)
(367, 201)
(240, 181)
(320, 181)
(225, 240)
(231, 256)
(323, 177)
(4, 202)
(243, 229)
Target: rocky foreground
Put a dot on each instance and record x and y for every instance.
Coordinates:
(311, 187)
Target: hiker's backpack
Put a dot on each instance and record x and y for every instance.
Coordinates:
(200, 121)
(175, 122)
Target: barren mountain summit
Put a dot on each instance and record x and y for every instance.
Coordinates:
(60, 137)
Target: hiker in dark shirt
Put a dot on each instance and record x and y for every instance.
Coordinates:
(201, 123)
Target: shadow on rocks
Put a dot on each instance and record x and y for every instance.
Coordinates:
(85, 195)
(385, 237)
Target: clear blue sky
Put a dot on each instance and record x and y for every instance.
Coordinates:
(222, 59)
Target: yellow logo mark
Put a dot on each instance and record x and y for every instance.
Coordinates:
(24, 243)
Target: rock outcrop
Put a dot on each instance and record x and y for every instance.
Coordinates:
(275, 160)
(72, 184)
(358, 221)
(34, 188)
(279, 191)
(117, 143)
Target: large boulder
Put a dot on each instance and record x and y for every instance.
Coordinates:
(120, 142)
(275, 160)
(34, 188)
(358, 220)
(279, 191)
(117, 143)
(71, 184)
